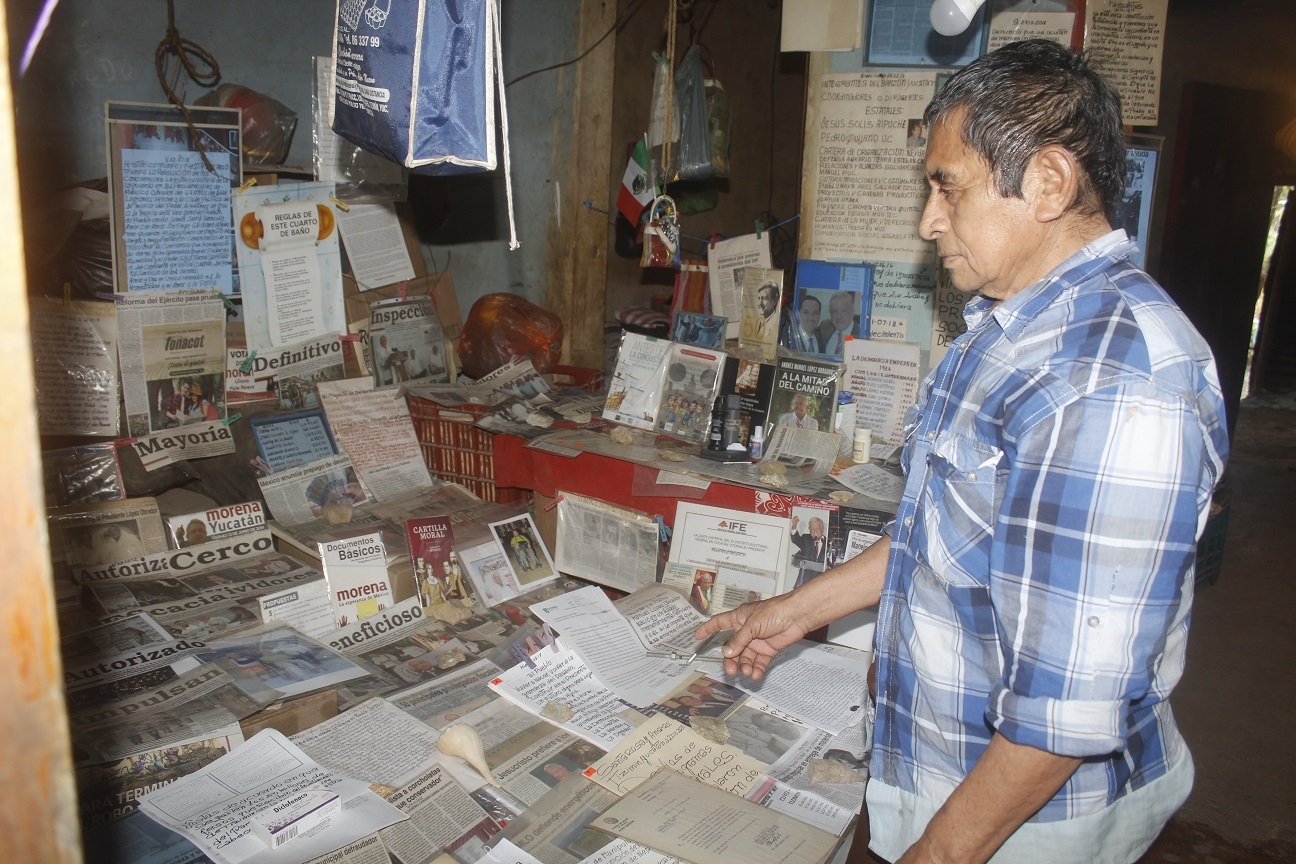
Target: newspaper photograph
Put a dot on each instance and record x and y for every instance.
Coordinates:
(851, 749)
(321, 489)
(524, 550)
(129, 634)
(192, 529)
(109, 791)
(74, 354)
(559, 827)
(213, 807)
(604, 543)
(172, 353)
(276, 661)
(92, 535)
(445, 700)
(405, 342)
(374, 428)
(299, 368)
(443, 818)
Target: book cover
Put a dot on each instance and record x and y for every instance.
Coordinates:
(753, 382)
(430, 541)
(635, 389)
(805, 394)
(356, 572)
(689, 388)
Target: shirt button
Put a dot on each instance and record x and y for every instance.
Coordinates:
(972, 476)
(908, 521)
(1093, 621)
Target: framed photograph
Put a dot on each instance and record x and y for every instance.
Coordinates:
(900, 34)
(695, 328)
(1134, 214)
(170, 190)
(524, 550)
(832, 301)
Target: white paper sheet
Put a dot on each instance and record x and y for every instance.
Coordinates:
(375, 245)
(873, 481)
(604, 639)
(560, 676)
(374, 741)
(814, 685)
(212, 807)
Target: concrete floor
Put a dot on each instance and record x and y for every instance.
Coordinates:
(1239, 687)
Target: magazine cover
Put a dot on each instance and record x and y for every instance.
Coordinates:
(184, 367)
(753, 382)
(430, 542)
(405, 342)
(762, 301)
(805, 394)
(636, 383)
(356, 572)
(689, 388)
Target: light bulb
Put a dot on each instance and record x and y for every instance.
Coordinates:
(952, 17)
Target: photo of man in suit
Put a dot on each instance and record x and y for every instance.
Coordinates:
(812, 546)
(842, 323)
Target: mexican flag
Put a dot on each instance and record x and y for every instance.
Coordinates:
(636, 192)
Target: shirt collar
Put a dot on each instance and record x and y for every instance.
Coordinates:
(1020, 309)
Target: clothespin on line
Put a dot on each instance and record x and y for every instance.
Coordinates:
(341, 205)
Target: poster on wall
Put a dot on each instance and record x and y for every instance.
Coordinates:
(170, 189)
(864, 163)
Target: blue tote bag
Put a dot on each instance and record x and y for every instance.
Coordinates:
(416, 83)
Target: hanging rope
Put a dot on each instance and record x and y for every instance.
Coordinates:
(668, 123)
(187, 52)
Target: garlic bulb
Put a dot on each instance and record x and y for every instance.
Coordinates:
(463, 741)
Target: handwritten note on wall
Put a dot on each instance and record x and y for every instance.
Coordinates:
(178, 230)
(1125, 39)
(865, 164)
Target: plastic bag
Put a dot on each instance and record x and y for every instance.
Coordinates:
(695, 130)
(267, 123)
(718, 120)
(503, 328)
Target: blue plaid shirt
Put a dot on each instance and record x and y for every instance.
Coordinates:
(1060, 466)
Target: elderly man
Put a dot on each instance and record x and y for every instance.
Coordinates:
(798, 417)
(840, 324)
(1035, 589)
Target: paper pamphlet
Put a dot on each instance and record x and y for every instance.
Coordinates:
(375, 245)
(356, 571)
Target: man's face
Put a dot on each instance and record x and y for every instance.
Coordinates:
(842, 311)
(799, 405)
(767, 297)
(186, 389)
(816, 528)
(809, 314)
(986, 241)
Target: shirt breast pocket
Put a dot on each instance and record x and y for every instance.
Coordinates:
(954, 524)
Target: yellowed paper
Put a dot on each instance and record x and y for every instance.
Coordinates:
(662, 742)
(1125, 39)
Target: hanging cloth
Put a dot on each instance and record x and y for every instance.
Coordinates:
(416, 83)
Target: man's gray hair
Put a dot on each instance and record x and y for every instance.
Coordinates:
(1028, 95)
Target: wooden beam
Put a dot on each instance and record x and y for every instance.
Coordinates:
(579, 236)
(38, 821)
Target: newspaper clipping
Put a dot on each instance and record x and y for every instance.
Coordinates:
(375, 430)
(172, 349)
(405, 342)
(74, 349)
(326, 488)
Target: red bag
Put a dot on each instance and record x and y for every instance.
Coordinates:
(502, 328)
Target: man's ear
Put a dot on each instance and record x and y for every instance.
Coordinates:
(1052, 182)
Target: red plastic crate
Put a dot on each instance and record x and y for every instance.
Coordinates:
(456, 450)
